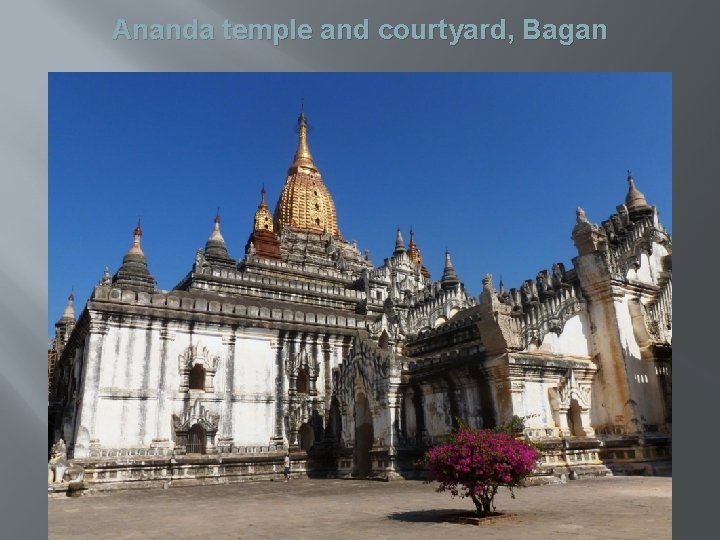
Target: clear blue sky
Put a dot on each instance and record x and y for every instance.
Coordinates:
(490, 165)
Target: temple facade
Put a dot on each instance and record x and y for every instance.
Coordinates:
(304, 346)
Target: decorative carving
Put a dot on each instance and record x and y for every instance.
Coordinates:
(59, 468)
(196, 414)
(106, 280)
(194, 355)
(572, 422)
(568, 388)
(542, 305)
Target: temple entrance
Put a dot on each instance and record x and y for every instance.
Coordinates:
(196, 440)
(363, 436)
(574, 420)
(306, 436)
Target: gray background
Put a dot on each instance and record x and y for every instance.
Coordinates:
(74, 35)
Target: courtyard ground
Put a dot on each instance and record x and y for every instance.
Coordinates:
(615, 507)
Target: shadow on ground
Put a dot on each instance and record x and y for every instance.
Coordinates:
(445, 516)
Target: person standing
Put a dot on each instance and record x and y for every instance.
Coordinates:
(286, 467)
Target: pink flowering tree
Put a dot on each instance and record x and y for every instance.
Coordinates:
(475, 463)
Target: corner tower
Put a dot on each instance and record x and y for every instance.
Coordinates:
(305, 203)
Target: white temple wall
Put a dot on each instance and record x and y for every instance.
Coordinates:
(650, 266)
(252, 423)
(130, 372)
(643, 380)
(610, 390)
(535, 406)
(125, 423)
(574, 340)
(109, 429)
(254, 366)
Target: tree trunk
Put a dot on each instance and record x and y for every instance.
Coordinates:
(484, 501)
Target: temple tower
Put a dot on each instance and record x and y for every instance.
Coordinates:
(305, 203)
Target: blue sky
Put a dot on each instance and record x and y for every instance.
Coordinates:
(491, 166)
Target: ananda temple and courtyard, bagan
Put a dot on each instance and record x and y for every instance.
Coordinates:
(302, 345)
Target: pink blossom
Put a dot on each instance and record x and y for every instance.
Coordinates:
(475, 463)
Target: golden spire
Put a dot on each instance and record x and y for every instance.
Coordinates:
(305, 203)
(303, 157)
(415, 256)
(413, 251)
(263, 219)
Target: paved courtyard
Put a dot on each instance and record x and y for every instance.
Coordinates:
(617, 507)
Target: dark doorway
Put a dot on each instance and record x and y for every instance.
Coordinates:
(574, 419)
(196, 440)
(197, 377)
(306, 436)
(302, 381)
(363, 436)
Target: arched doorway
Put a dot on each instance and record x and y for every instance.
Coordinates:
(196, 440)
(196, 377)
(306, 437)
(574, 419)
(302, 385)
(363, 436)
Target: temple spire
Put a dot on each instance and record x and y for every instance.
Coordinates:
(635, 201)
(133, 273)
(215, 249)
(399, 243)
(263, 219)
(303, 157)
(415, 256)
(449, 278)
(305, 203)
(216, 235)
(69, 313)
(137, 233)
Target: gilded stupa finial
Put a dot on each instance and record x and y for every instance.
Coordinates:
(303, 157)
(413, 251)
(263, 219)
(305, 203)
